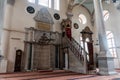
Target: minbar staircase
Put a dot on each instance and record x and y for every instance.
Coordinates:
(78, 51)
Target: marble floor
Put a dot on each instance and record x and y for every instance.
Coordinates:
(55, 75)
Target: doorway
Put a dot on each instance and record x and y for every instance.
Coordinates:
(57, 56)
(91, 56)
(18, 61)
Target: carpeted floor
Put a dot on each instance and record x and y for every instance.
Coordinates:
(55, 75)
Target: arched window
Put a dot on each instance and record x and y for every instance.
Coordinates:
(57, 4)
(31, 1)
(82, 19)
(111, 43)
(46, 3)
(106, 15)
(54, 4)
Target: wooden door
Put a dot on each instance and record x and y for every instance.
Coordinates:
(91, 55)
(18, 61)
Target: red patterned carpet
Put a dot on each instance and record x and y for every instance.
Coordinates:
(55, 75)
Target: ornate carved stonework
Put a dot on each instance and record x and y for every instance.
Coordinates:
(44, 20)
(66, 23)
(40, 49)
(87, 33)
(43, 16)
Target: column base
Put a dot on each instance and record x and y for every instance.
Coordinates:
(3, 66)
(106, 64)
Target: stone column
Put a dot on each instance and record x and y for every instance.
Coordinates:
(105, 60)
(8, 9)
(1, 13)
(66, 61)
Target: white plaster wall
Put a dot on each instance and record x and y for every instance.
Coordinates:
(75, 19)
(22, 19)
(14, 44)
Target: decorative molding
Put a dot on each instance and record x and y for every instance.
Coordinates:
(16, 38)
(11, 30)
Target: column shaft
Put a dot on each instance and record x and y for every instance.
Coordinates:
(8, 9)
(105, 60)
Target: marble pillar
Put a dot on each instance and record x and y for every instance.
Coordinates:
(8, 9)
(105, 59)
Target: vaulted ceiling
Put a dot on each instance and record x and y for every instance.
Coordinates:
(88, 4)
